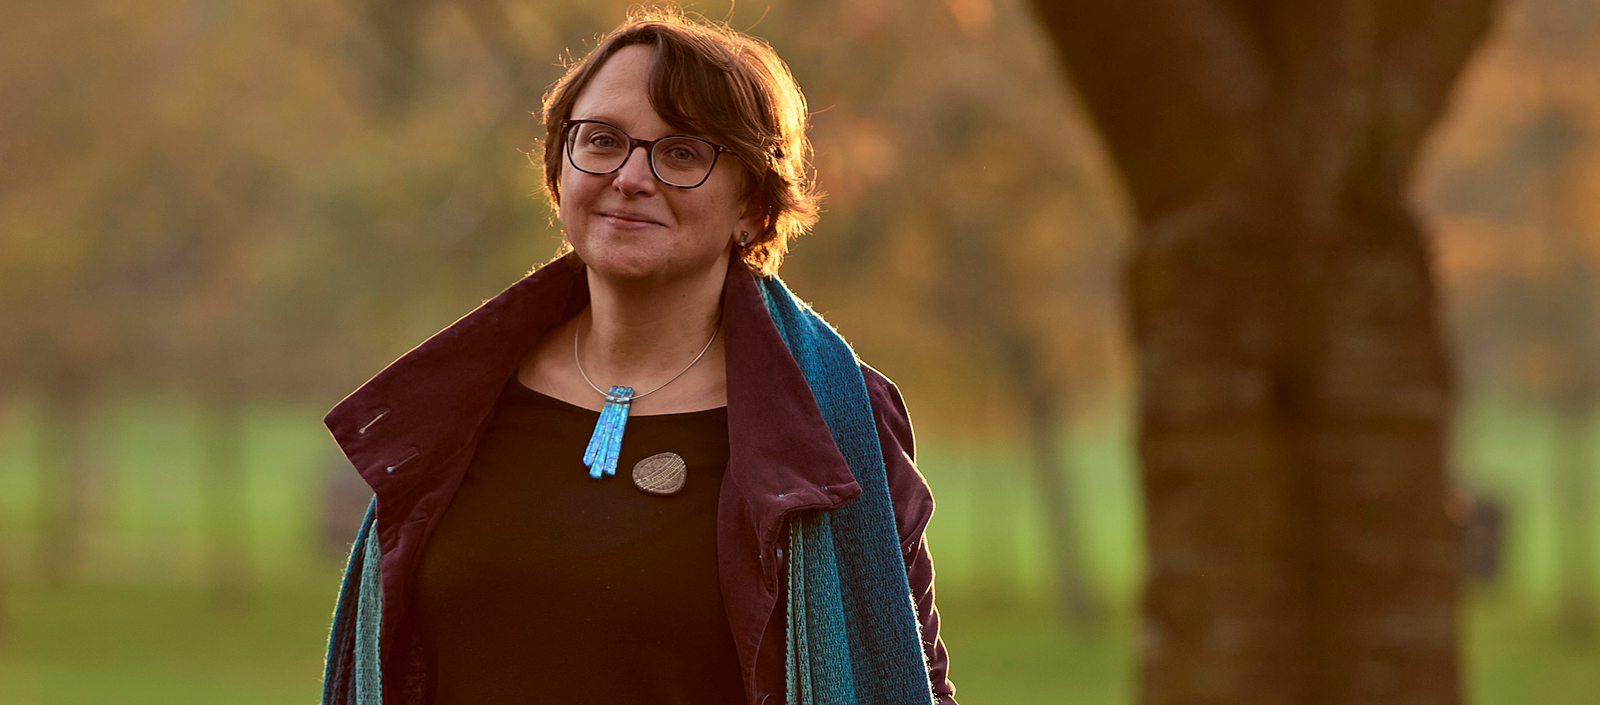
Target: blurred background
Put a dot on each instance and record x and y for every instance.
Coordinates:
(217, 218)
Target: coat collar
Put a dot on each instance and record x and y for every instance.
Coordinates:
(423, 410)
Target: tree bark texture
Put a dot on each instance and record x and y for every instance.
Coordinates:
(1295, 393)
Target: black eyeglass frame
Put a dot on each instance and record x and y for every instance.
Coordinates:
(635, 143)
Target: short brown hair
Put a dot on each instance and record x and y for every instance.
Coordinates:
(727, 86)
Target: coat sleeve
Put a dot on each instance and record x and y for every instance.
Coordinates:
(913, 507)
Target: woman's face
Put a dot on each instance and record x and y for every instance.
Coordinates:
(628, 225)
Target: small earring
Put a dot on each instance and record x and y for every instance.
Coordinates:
(744, 238)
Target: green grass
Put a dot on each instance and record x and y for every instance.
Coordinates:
(175, 646)
(170, 645)
(140, 627)
(1514, 656)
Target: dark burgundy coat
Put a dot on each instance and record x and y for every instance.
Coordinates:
(412, 429)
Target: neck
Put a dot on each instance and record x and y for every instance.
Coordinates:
(641, 334)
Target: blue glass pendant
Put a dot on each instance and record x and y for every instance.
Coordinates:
(606, 443)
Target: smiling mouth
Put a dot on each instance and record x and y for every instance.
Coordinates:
(630, 218)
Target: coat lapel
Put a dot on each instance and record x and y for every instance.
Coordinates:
(411, 429)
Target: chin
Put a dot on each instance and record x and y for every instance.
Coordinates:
(643, 264)
(630, 270)
(627, 262)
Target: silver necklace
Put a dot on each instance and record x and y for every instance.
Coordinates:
(606, 442)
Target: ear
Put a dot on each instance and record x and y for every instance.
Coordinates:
(753, 220)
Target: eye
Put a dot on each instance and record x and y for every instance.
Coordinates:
(600, 137)
(686, 152)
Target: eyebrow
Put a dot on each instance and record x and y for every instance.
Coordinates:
(612, 121)
(598, 116)
(609, 119)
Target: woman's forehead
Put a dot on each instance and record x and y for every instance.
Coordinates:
(619, 94)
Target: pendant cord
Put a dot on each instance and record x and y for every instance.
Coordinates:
(579, 362)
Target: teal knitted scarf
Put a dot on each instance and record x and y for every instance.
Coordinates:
(853, 632)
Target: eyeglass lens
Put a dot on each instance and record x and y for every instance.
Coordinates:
(677, 161)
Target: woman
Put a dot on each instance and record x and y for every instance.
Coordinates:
(645, 472)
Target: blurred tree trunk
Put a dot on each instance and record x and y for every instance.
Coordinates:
(66, 465)
(1295, 392)
(1574, 515)
(977, 290)
(222, 494)
(1041, 399)
(1074, 599)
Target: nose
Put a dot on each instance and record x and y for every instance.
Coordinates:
(635, 177)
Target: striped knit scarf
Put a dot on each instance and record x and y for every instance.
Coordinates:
(353, 675)
(853, 633)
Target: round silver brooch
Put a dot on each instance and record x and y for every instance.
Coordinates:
(662, 473)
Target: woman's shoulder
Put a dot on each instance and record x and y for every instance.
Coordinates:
(913, 500)
(890, 410)
(880, 386)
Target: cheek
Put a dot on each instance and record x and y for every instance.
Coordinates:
(714, 220)
(723, 205)
(574, 194)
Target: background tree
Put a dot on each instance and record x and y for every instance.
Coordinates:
(259, 204)
(1295, 393)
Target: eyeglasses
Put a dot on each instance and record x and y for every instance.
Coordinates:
(595, 147)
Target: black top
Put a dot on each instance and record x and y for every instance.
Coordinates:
(543, 585)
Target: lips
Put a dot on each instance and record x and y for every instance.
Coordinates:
(630, 217)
